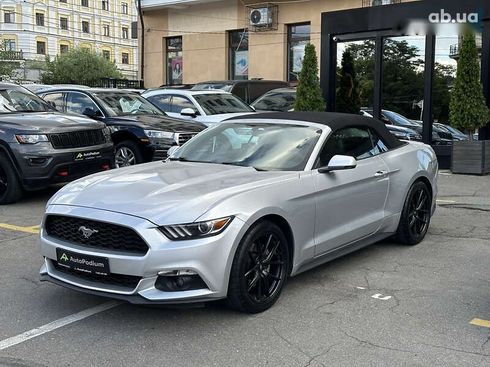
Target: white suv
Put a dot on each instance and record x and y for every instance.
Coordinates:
(206, 106)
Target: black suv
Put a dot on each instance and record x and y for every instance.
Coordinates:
(140, 131)
(247, 90)
(39, 146)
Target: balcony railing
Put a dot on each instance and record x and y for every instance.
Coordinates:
(11, 55)
(368, 3)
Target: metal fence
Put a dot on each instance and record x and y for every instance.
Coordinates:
(118, 83)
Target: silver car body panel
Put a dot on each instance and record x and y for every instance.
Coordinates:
(329, 214)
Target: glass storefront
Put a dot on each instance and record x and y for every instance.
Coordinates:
(238, 55)
(174, 60)
(298, 38)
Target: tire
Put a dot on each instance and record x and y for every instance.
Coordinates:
(262, 258)
(10, 188)
(415, 218)
(127, 154)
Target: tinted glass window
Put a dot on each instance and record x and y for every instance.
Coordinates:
(122, 104)
(179, 103)
(214, 104)
(18, 99)
(163, 101)
(55, 100)
(275, 101)
(352, 141)
(78, 102)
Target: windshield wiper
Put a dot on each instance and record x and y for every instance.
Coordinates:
(240, 164)
(182, 159)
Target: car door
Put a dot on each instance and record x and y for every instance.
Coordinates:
(77, 103)
(56, 100)
(350, 203)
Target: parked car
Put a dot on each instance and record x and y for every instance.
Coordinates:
(439, 137)
(400, 132)
(140, 131)
(208, 107)
(247, 90)
(456, 134)
(279, 194)
(278, 100)
(40, 147)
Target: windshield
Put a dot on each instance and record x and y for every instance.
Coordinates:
(18, 99)
(398, 119)
(261, 146)
(275, 101)
(123, 104)
(215, 104)
(223, 86)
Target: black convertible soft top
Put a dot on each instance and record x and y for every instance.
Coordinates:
(334, 120)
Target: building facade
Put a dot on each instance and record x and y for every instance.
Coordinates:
(189, 41)
(34, 29)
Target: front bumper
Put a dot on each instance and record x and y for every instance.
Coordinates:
(210, 258)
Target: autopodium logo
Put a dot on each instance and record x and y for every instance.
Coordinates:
(64, 257)
(460, 18)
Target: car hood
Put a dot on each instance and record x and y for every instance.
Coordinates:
(47, 122)
(152, 122)
(213, 119)
(166, 192)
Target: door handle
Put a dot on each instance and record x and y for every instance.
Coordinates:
(381, 174)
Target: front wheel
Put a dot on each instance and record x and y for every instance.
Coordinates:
(127, 154)
(415, 218)
(10, 188)
(260, 269)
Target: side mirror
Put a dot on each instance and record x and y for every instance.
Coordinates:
(90, 112)
(188, 112)
(339, 162)
(172, 150)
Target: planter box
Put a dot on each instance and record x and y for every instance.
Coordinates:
(471, 157)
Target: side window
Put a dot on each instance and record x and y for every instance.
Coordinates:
(179, 103)
(240, 90)
(78, 102)
(357, 142)
(164, 102)
(55, 100)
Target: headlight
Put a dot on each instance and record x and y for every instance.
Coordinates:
(180, 232)
(31, 139)
(157, 134)
(107, 134)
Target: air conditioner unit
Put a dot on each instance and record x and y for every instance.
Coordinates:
(260, 17)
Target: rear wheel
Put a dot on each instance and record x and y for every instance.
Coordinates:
(10, 188)
(415, 218)
(259, 270)
(128, 154)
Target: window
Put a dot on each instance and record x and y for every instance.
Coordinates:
(9, 44)
(78, 103)
(85, 26)
(125, 58)
(215, 104)
(9, 16)
(106, 54)
(63, 49)
(163, 101)
(84, 3)
(55, 100)
(41, 47)
(105, 5)
(298, 38)
(124, 8)
(63, 1)
(174, 60)
(125, 32)
(357, 142)
(40, 19)
(64, 23)
(238, 51)
(180, 102)
(106, 30)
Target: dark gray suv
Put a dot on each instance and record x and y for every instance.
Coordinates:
(39, 146)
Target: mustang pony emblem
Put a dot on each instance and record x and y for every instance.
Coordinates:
(87, 232)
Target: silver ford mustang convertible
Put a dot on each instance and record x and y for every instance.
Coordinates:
(238, 209)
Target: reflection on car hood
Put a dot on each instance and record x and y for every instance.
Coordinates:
(154, 122)
(213, 119)
(47, 122)
(166, 192)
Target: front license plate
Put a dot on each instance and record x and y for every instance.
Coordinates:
(86, 156)
(80, 262)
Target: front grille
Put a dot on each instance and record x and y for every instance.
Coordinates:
(185, 137)
(126, 281)
(104, 236)
(160, 154)
(77, 139)
(445, 135)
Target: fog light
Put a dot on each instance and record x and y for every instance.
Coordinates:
(179, 280)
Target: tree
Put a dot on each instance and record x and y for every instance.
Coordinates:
(468, 110)
(7, 65)
(79, 66)
(348, 99)
(308, 93)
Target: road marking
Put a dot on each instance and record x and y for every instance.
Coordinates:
(480, 322)
(11, 227)
(4, 344)
(440, 201)
(381, 297)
